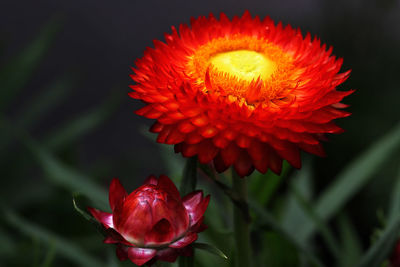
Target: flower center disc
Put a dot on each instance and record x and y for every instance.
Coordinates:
(244, 64)
(232, 66)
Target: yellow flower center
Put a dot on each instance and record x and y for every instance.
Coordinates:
(244, 64)
(231, 67)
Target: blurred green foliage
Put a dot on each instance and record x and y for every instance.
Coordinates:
(294, 223)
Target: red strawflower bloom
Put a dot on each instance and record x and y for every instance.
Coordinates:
(245, 92)
(395, 258)
(153, 222)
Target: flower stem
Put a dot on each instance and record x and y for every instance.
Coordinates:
(241, 222)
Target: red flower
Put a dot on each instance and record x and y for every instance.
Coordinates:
(395, 258)
(245, 92)
(153, 222)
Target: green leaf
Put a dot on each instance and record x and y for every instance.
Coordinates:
(323, 229)
(16, 74)
(352, 179)
(219, 232)
(277, 251)
(48, 98)
(209, 248)
(41, 105)
(351, 243)
(87, 216)
(38, 192)
(293, 215)
(7, 243)
(382, 247)
(189, 179)
(50, 255)
(266, 220)
(80, 211)
(65, 176)
(64, 247)
(81, 125)
(57, 172)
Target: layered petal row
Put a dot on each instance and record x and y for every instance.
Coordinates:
(243, 92)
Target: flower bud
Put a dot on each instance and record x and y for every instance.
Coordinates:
(153, 222)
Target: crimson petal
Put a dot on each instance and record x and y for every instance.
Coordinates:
(140, 256)
(196, 205)
(199, 226)
(161, 232)
(134, 221)
(168, 254)
(183, 242)
(117, 194)
(164, 183)
(151, 180)
(104, 218)
(200, 209)
(190, 201)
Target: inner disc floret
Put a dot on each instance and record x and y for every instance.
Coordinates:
(244, 64)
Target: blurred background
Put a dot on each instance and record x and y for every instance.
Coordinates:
(67, 123)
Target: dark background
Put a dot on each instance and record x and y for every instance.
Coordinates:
(98, 41)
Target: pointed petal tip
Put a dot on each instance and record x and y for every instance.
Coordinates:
(196, 205)
(166, 184)
(117, 194)
(151, 180)
(246, 14)
(191, 200)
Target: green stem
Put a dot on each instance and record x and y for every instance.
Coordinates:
(241, 222)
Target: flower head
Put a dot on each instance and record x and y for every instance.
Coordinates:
(242, 92)
(153, 222)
